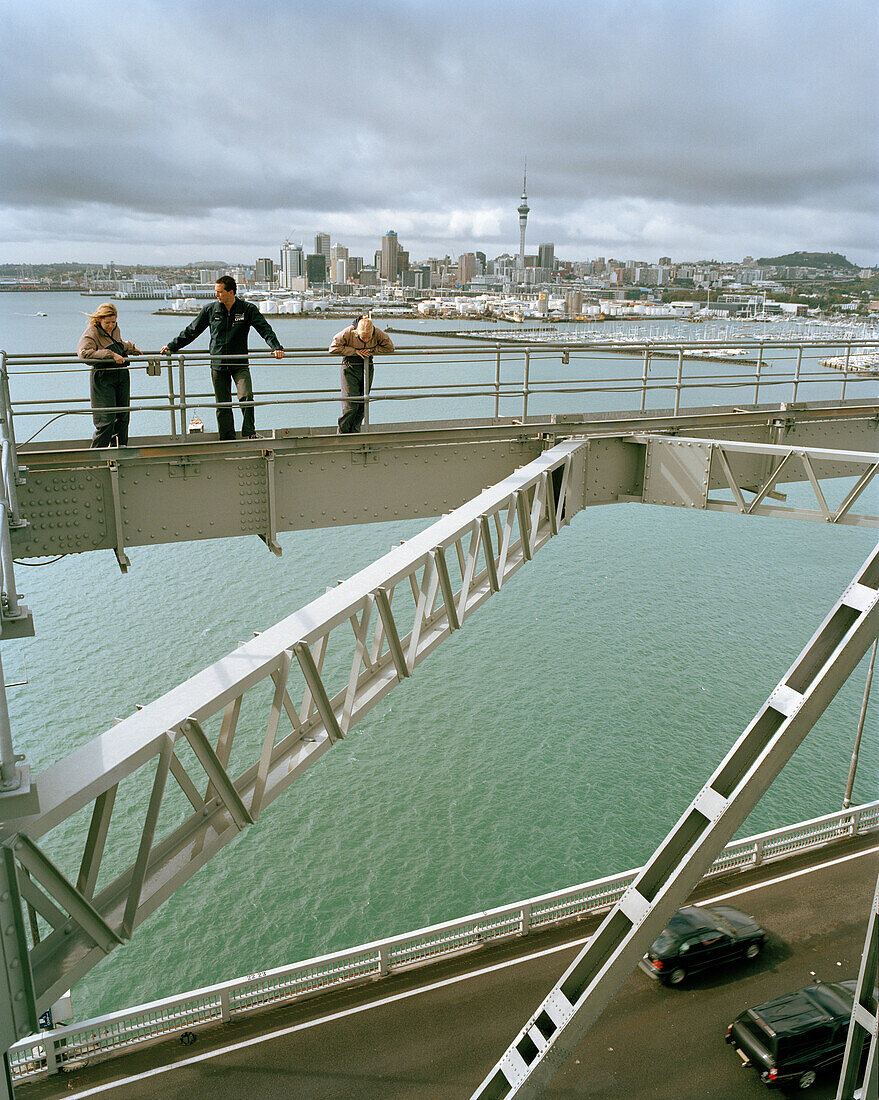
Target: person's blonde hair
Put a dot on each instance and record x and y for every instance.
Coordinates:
(105, 309)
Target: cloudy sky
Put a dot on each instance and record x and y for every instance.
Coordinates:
(167, 131)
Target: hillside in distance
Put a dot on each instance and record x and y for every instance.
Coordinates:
(832, 261)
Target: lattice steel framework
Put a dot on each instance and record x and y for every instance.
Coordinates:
(340, 654)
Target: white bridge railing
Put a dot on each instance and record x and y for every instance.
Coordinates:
(76, 1045)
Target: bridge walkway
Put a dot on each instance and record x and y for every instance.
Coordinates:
(432, 1034)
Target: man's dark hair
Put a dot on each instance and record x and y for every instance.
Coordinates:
(228, 282)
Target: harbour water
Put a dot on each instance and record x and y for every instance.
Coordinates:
(555, 739)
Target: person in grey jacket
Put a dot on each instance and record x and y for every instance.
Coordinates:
(230, 319)
(357, 344)
(102, 346)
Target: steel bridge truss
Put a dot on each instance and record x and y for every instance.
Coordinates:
(684, 472)
(553, 1032)
(337, 657)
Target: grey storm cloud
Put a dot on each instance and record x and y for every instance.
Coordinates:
(304, 116)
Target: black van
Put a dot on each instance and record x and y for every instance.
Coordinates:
(792, 1039)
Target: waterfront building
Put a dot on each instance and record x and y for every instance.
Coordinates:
(322, 246)
(292, 265)
(265, 271)
(368, 276)
(466, 267)
(389, 256)
(316, 269)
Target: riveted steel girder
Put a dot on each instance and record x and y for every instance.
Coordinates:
(163, 491)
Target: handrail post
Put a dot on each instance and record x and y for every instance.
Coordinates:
(848, 355)
(678, 381)
(10, 776)
(525, 376)
(172, 396)
(9, 433)
(497, 382)
(181, 369)
(644, 377)
(6, 558)
(757, 375)
(365, 422)
(797, 375)
(8, 479)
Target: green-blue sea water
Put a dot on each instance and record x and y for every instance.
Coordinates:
(555, 739)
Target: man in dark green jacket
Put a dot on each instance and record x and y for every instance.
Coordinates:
(230, 319)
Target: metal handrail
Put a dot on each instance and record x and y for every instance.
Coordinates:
(104, 1036)
(487, 355)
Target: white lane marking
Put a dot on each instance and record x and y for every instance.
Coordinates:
(122, 1082)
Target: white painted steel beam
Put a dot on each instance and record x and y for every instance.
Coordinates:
(388, 619)
(731, 793)
(864, 1027)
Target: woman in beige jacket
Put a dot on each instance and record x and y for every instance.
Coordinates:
(102, 345)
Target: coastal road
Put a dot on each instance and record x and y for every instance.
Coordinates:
(434, 1033)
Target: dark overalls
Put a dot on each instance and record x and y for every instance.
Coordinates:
(353, 411)
(110, 389)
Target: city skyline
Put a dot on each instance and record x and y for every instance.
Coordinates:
(652, 128)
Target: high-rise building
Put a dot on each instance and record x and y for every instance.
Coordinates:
(322, 246)
(316, 269)
(338, 252)
(265, 271)
(292, 264)
(523, 218)
(389, 259)
(466, 267)
(546, 256)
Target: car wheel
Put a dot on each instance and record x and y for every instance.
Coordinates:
(677, 976)
(753, 950)
(807, 1079)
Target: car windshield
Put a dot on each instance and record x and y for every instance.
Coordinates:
(666, 941)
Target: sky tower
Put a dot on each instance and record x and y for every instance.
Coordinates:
(523, 218)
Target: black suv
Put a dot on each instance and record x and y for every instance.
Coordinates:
(698, 937)
(791, 1039)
